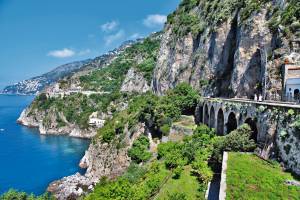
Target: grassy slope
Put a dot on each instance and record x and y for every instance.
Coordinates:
(186, 122)
(249, 177)
(186, 184)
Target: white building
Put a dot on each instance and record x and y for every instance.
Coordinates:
(95, 121)
(292, 82)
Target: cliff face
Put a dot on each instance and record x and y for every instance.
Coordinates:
(227, 58)
(100, 160)
(35, 118)
(135, 82)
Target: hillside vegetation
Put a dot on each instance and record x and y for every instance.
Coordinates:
(192, 159)
(76, 108)
(209, 48)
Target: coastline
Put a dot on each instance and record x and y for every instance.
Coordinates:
(62, 151)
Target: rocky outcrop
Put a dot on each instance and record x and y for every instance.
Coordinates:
(287, 142)
(174, 63)
(27, 120)
(135, 82)
(230, 59)
(253, 42)
(100, 160)
(36, 120)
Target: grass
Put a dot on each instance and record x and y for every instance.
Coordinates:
(249, 177)
(186, 122)
(186, 184)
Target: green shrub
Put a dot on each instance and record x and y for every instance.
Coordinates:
(184, 97)
(291, 112)
(139, 151)
(236, 141)
(177, 196)
(171, 152)
(288, 17)
(200, 166)
(202, 139)
(174, 158)
(165, 129)
(15, 195)
(134, 173)
(296, 126)
(177, 172)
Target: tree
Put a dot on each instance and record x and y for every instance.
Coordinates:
(236, 141)
(139, 151)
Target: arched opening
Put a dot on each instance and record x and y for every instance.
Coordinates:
(201, 114)
(253, 127)
(206, 115)
(296, 94)
(220, 122)
(212, 117)
(232, 122)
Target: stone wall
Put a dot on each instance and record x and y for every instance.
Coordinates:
(277, 126)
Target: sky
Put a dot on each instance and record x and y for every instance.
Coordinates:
(39, 35)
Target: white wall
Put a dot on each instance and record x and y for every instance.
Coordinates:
(292, 84)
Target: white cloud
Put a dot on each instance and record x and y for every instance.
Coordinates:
(63, 53)
(114, 37)
(66, 53)
(155, 20)
(109, 26)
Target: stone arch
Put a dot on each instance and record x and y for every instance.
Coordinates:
(220, 122)
(231, 122)
(212, 117)
(240, 120)
(206, 115)
(201, 114)
(253, 126)
(296, 94)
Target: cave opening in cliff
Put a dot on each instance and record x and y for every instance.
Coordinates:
(251, 83)
(226, 62)
(232, 123)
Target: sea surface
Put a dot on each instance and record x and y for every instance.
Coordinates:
(29, 161)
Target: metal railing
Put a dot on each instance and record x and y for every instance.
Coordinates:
(284, 98)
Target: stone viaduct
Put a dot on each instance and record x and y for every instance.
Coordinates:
(275, 125)
(225, 115)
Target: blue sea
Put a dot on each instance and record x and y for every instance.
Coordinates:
(29, 161)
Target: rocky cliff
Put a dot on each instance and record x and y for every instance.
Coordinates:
(227, 48)
(36, 119)
(100, 160)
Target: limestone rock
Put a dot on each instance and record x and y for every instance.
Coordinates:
(135, 82)
(100, 160)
